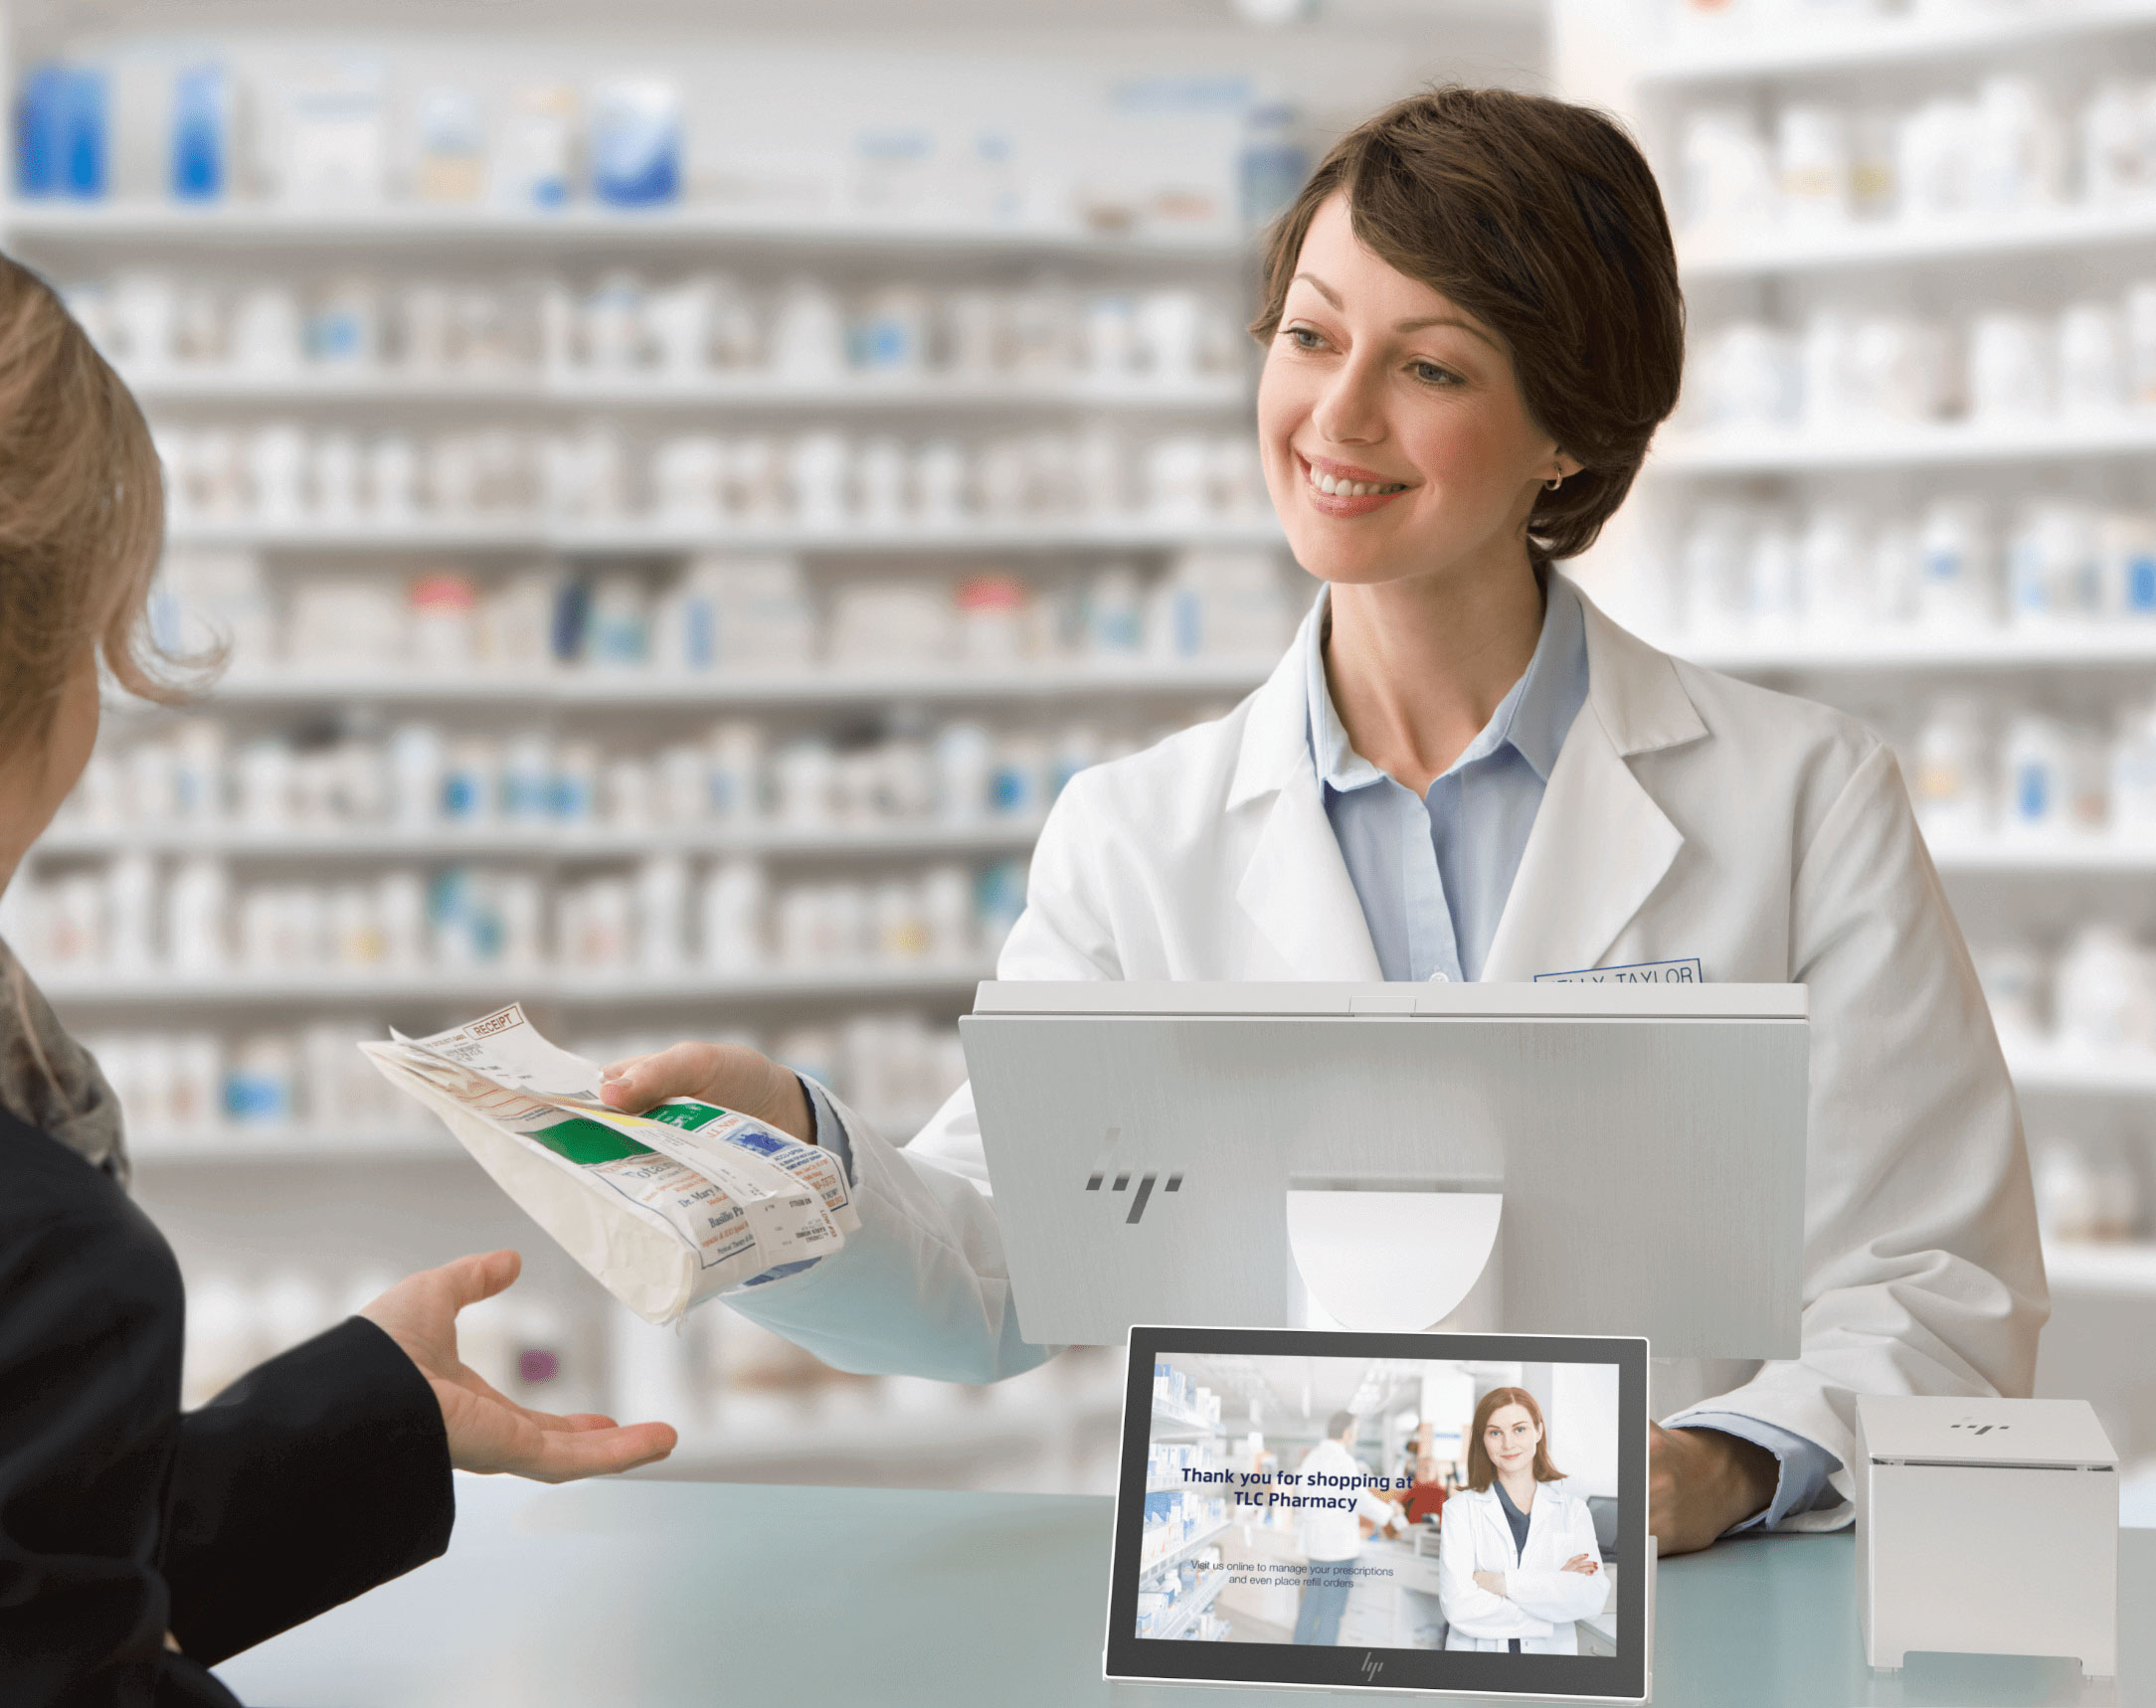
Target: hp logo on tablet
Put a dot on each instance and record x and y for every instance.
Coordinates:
(1371, 1667)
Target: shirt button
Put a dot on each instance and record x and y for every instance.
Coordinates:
(1440, 976)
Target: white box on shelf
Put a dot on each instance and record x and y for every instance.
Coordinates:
(1986, 1527)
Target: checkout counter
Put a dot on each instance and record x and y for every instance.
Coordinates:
(643, 1594)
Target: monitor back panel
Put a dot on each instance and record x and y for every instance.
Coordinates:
(1653, 1168)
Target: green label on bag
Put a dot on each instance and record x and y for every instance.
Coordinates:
(688, 1114)
(585, 1142)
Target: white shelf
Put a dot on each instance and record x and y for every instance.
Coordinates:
(2057, 1068)
(810, 687)
(2047, 856)
(657, 535)
(292, 1143)
(542, 841)
(309, 387)
(1726, 52)
(1182, 1424)
(478, 985)
(1764, 450)
(1825, 249)
(465, 226)
(1185, 1614)
(1167, 1562)
(2123, 1271)
(2122, 642)
(425, 534)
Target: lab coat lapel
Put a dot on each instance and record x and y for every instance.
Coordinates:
(1600, 844)
(1295, 889)
(1297, 893)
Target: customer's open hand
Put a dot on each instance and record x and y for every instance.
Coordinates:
(733, 1076)
(1700, 1482)
(489, 1431)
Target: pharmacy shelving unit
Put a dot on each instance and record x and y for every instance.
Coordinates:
(1670, 56)
(285, 1168)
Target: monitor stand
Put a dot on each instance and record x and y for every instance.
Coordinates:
(1392, 1262)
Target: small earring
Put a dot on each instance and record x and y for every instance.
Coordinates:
(1553, 483)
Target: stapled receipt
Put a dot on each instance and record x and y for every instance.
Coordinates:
(666, 1209)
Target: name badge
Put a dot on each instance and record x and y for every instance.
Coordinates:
(1639, 972)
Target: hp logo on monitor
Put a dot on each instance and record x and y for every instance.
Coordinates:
(1121, 1183)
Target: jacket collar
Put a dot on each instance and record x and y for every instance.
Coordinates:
(1631, 688)
(1565, 911)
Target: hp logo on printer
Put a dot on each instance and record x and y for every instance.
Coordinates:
(1976, 1429)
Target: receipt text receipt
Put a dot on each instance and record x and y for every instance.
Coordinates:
(666, 1209)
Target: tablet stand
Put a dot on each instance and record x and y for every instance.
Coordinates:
(1390, 1261)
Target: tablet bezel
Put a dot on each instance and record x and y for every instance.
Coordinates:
(1621, 1677)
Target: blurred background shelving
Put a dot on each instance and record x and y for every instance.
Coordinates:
(672, 605)
(1911, 477)
(678, 604)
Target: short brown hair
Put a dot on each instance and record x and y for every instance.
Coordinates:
(82, 513)
(1543, 220)
(1481, 1474)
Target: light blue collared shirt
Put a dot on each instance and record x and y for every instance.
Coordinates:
(1433, 871)
(1433, 874)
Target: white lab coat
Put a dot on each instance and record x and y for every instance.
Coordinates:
(1687, 814)
(1541, 1600)
(1335, 1532)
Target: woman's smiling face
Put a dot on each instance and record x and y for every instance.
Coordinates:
(1510, 1439)
(1395, 438)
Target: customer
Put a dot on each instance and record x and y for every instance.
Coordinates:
(140, 1546)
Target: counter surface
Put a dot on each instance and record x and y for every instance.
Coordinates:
(666, 1595)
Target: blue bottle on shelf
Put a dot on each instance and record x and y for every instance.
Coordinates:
(200, 133)
(61, 132)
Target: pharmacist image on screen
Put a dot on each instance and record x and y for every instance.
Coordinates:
(1518, 1560)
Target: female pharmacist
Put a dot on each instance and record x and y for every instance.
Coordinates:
(1463, 769)
(140, 1546)
(1516, 1558)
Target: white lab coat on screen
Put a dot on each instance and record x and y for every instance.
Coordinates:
(1335, 1532)
(1541, 1600)
(1688, 815)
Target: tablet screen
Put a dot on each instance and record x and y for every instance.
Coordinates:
(1404, 1512)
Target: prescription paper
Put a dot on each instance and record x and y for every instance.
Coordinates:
(666, 1209)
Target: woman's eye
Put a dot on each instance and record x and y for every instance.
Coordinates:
(1430, 374)
(1304, 338)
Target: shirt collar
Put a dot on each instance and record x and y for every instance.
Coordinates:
(1533, 717)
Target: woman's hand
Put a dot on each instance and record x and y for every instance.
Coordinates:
(489, 1431)
(733, 1076)
(1700, 1482)
(1586, 1565)
(1493, 1582)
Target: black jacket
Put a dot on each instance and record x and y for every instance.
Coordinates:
(312, 1479)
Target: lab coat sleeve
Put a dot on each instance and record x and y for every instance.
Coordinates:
(1557, 1596)
(1378, 1513)
(1469, 1608)
(923, 1288)
(1922, 1272)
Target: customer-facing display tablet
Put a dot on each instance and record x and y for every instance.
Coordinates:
(1429, 1512)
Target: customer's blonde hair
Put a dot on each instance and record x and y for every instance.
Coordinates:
(81, 515)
